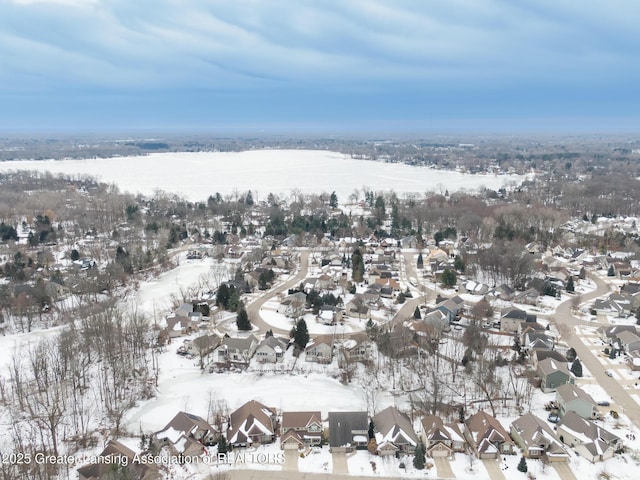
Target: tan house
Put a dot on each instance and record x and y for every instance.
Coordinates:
(252, 424)
(300, 429)
(271, 350)
(441, 440)
(186, 434)
(394, 432)
(320, 349)
(537, 440)
(487, 437)
(587, 438)
(357, 348)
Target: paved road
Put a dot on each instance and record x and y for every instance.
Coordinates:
(563, 316)
(253, 309)
(283, 475)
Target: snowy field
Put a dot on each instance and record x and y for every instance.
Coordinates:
(198, 175)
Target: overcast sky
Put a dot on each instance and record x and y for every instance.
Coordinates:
(328, 64)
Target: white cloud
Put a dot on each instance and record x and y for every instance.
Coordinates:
(126, 44)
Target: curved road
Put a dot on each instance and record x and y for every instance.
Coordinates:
(253, 309)
(616, 391)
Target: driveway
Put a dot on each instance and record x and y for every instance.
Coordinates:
(494, 469)
(564, 471)
(443, 466)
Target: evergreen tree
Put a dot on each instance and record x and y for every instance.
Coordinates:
(576, 368)
(416, 313)
(401, 298)
(611, 272)
(223, 447)
(571, 354)
(522, 465)
(461, 415)
(300, 334)
(357, 266)
(570, 286)
(458, 264)
(419, 459)
(333, 200)
(222, 297)
(612, 354)
(420, 263)
(448, 278)
(242, 319)
(371, 431)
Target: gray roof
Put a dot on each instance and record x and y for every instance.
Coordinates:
(549, 366)
(342, 426)
(536, 433)
(569, 393)
(599, 439)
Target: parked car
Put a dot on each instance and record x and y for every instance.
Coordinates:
(604, 403)
(609, 373)
(553, 418)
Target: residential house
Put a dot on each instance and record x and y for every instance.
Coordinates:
(604, 307)
(588, 439)
(533, 340)
(573, 399)
(623, 302)
(357, 348)
(504, 292)
(203, 345)
(553, 374)
(441, 440)
(449, 307)
(271, 350)
(486, 436)
(538, 355)
(512, 318)
(395, 432)
(475, 288)
(300, 429)
(529, 296)
(293, 305)
(438, 320)
(329, 314)
(348, 431)
(632, 291)
(236, 349)
(360, 305)
(537, 440)
(186, 434)
(410, 241)
(320, 349)
(628, 341)
(179, 326)
(253, 423)
(183, 310)
(116, 453)
(609, 335)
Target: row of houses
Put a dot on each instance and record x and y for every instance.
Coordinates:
(480, 434)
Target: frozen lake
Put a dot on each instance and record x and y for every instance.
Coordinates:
(198, 175)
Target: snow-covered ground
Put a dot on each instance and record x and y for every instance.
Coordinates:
(198, 175)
